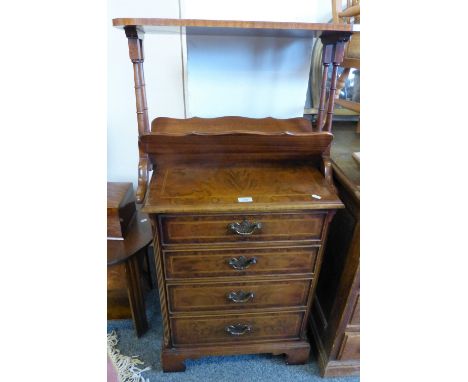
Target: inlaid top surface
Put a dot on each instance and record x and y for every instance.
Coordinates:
(239, 187)
(233, 27)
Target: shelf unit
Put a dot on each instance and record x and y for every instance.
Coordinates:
(240, 208)
(333, 37)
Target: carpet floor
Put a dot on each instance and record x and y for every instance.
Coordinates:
(258, 367)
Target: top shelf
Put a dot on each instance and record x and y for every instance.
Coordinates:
(232, 27)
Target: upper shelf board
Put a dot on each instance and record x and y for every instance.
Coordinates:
(232, 27)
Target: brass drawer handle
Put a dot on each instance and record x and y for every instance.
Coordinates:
(245, 227)
(240, 296)
(238, 329)
(242, 262)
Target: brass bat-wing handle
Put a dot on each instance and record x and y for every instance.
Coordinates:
(245, 227)
(238, 329)
(240, 296)
(242, 262)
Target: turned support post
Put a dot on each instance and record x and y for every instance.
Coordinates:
(337, 59)
(326, 60)
(135, 49)
(336, 43)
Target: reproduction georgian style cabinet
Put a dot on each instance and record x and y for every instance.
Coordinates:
(240, 209)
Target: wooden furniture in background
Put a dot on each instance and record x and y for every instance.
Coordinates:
(128, 269)
(240, 209)
(121, 209)
(334, 322)
(352, 56)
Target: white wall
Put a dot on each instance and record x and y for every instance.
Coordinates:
(164, 64)
(163, 72)
(249, 76)
(259, 10)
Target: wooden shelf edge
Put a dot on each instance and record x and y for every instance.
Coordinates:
(235, 208)
(204, 23)
(235, 133)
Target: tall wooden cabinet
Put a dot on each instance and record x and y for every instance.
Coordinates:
(335, 318)
(240, 209)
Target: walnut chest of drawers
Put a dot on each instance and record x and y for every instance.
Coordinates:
(238, 248)
(240, 208)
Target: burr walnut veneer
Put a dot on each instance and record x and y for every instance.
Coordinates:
(240, 209)
(240, 219)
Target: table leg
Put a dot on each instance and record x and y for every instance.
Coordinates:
(135, 294)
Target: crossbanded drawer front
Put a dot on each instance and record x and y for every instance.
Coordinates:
(202, 229)
(235, 328)
(238, 296)
(238, 262)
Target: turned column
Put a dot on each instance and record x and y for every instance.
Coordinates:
(333, 52)
(337, 59)
(135, 48)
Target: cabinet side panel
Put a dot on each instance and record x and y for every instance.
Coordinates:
(339, 239)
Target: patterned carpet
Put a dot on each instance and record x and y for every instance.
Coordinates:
(258, 367)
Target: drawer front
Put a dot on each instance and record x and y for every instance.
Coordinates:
(236, 328)
(350, 347)
(238, 262)
(235, 296)
(203, 229)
